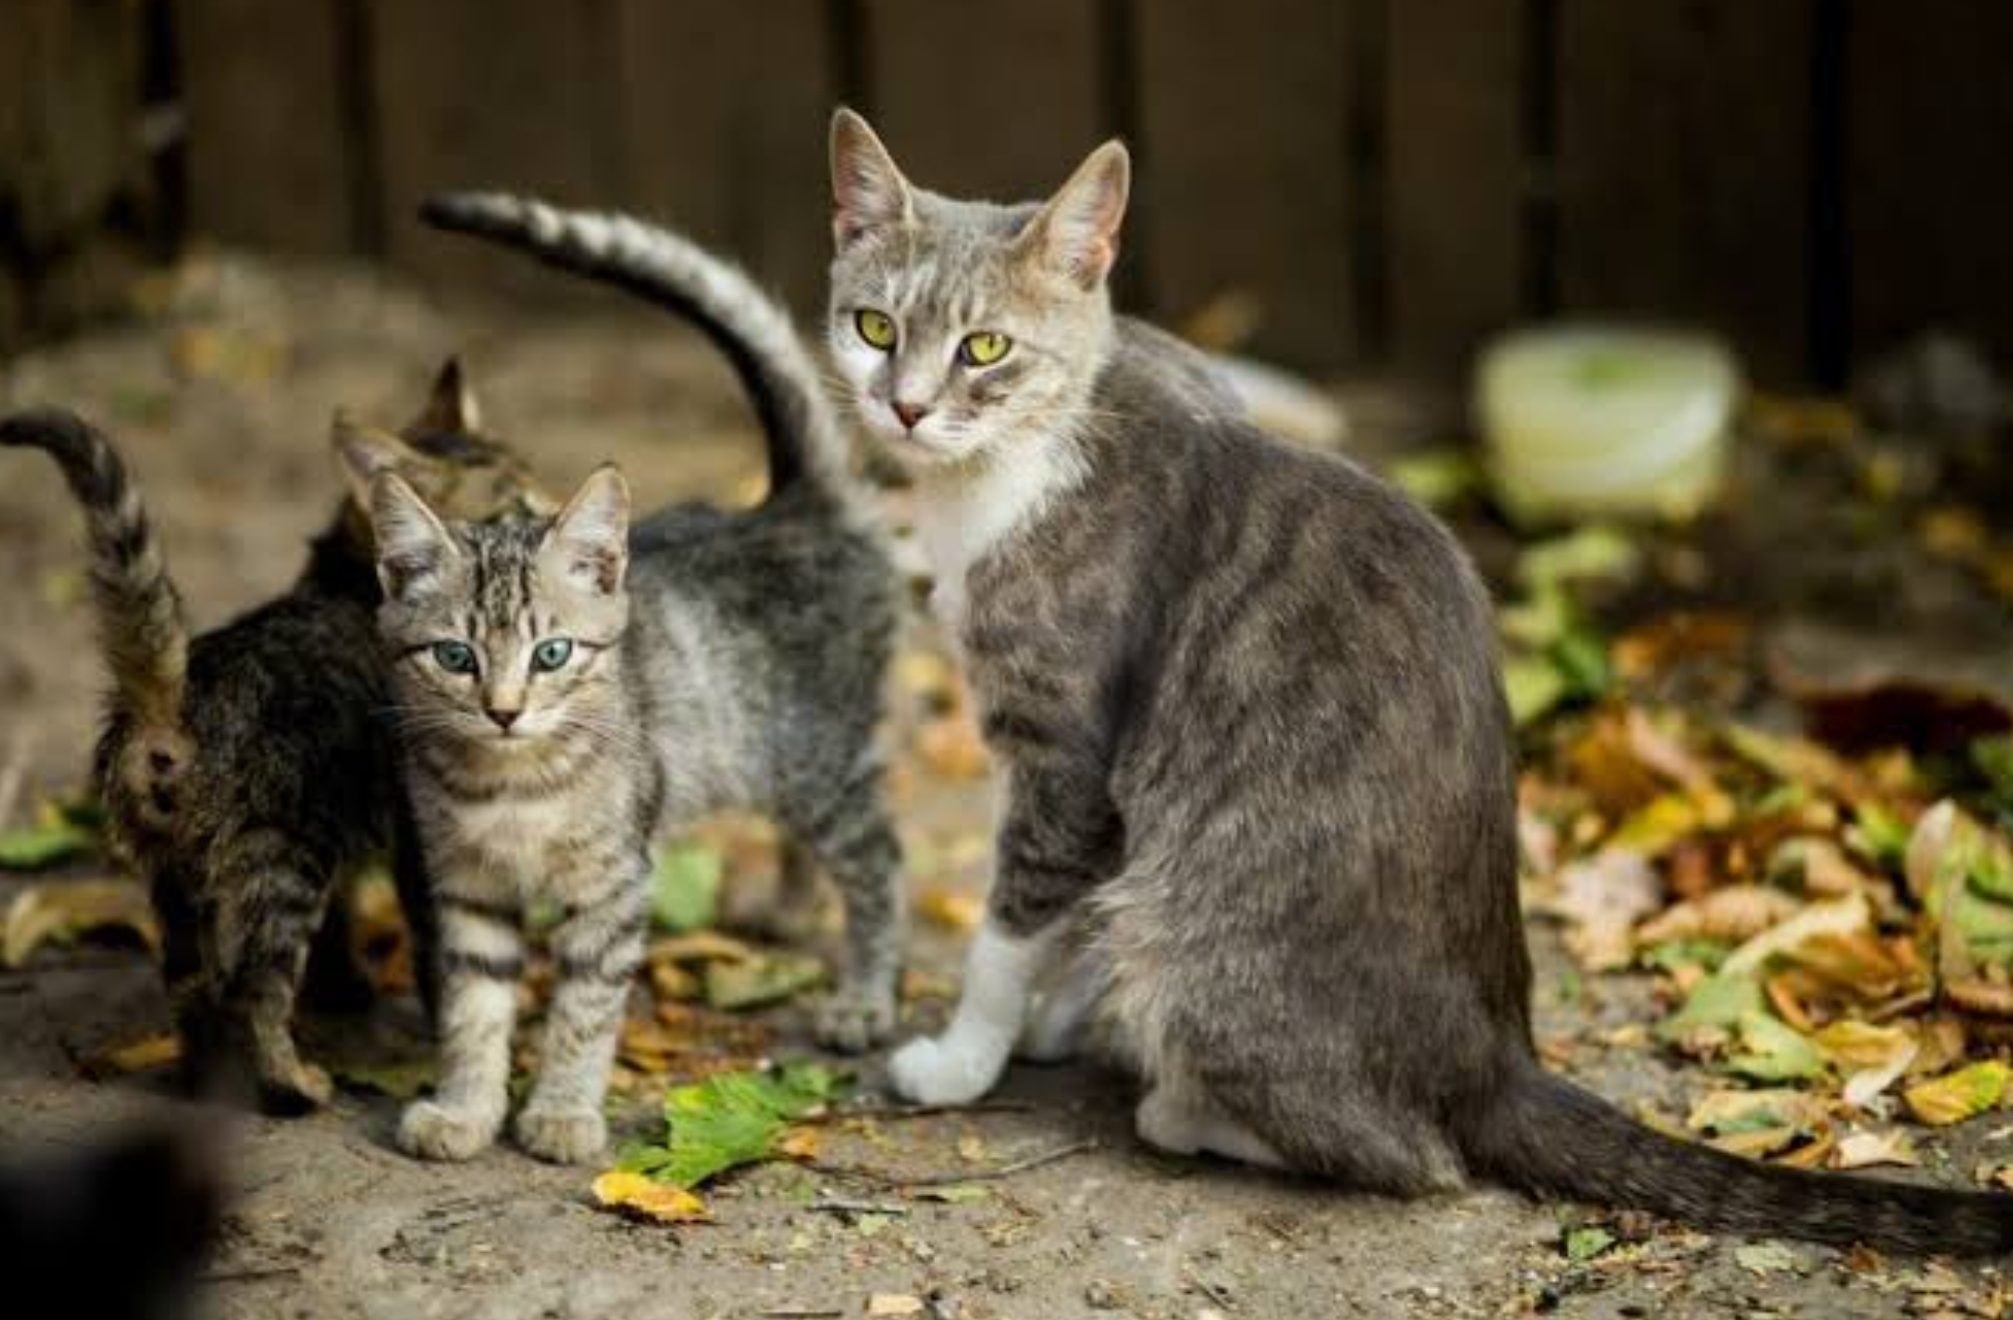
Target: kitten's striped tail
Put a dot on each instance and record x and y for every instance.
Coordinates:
(140, 618)
(755, 332)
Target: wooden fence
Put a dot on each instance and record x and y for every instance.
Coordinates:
(1382, 181)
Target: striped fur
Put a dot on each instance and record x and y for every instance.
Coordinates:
(140, 620)
(755, 333)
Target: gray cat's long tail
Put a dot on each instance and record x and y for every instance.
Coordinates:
(145, 635)
(754, 331)
(1548, 1137)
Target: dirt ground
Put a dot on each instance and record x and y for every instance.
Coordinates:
(222, 401)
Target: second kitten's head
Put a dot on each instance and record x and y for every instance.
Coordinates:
(958, 326)
(504, 632)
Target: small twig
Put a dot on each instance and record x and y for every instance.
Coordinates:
(801, 1313)
(250, 1275)
(833, 1205)
(1211, 1291)
(897, 1112)
(904, 1182)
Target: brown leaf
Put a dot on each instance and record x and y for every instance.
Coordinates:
(66, 909)
(1604, 896)
(1866, 1149)
(1733, 913)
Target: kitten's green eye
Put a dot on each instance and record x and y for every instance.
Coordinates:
(551, 654)
(455, 657)
(982, 348)
(877, 328)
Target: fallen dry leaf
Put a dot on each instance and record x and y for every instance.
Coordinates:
(634, 1194)
(950, 746)
(66, 909)
(952, 909)
(1850, 915)
(1958, 1095)
(1867, 1148)
(142, 1055)
(894, 1304)
(1604, 897)
(1733, 913)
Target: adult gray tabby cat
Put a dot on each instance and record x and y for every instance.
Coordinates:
(574, 689)
(1260, 794)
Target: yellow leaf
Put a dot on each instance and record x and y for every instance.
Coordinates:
(894, 1304)
(799, 1143)
(950, 746)
(69, 908)
(952, 909)
(1958, 1095)
(632, 1193)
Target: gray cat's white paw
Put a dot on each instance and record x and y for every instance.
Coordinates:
(930, 1071)
(854, 1021)
(430, 1130)
(562, 1136)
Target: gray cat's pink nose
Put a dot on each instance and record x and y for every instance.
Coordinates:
(910, 413)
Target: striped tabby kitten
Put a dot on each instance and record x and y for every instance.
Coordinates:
(574, 688)
(1260, 792)
(248, 771)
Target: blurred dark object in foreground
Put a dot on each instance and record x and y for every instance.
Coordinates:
(116, 1231)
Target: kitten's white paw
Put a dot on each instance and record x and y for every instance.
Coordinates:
(433, 1131)
(931, 1072)
(562, 1136)
(853, 1021)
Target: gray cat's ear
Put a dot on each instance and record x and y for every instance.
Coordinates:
(1076, 232)
(590, 538)
(451, 405)
(869, 195)
(362, 452)
(413, 545)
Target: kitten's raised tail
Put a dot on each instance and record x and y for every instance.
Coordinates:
(145, 636)
(1550, 1138)
(754, 331)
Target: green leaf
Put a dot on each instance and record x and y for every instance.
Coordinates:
(1582, 659)
(1595, 551)
(1534, 686)
(1587, 1242)
(1774, 1051)
(732, 1119)
(685, 893)
(1717, 1001)
(45, 844)
(1437, 478)
(1877, 836)
(1673, 954)
(765, 979)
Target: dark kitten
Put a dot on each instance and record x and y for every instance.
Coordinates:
(248, 771)
(1260, 793)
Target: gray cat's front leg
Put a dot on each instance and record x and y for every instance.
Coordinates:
(481, 958)
(598, 948)
(966, 1061)
(1060, 837)
(861, 852)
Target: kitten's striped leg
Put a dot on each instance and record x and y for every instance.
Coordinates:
(598, 947)
(268, 902)
(860, 851)
(963, 1064)
(481, 958)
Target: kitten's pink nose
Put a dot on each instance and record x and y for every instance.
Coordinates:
(910, 413)
(502, 718)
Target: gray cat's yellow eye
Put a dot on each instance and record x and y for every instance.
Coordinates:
(455, 657)
(551, 654)
(877, 328)
(982, 348)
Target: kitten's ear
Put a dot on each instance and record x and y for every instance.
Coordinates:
(869, 195)
(590, 538)
(451, 406)
(364, 451)
(413, 545)
(1076, 233)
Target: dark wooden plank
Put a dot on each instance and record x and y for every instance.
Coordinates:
(515, 94)
(1683, 168)
(269, 144)
(69, 142)
(1455, 177)
(1000, 101)
(1929, 192)
(1244, 184)
(724, 118)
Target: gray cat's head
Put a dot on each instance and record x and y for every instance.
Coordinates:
(958, 325)
(503, 632)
